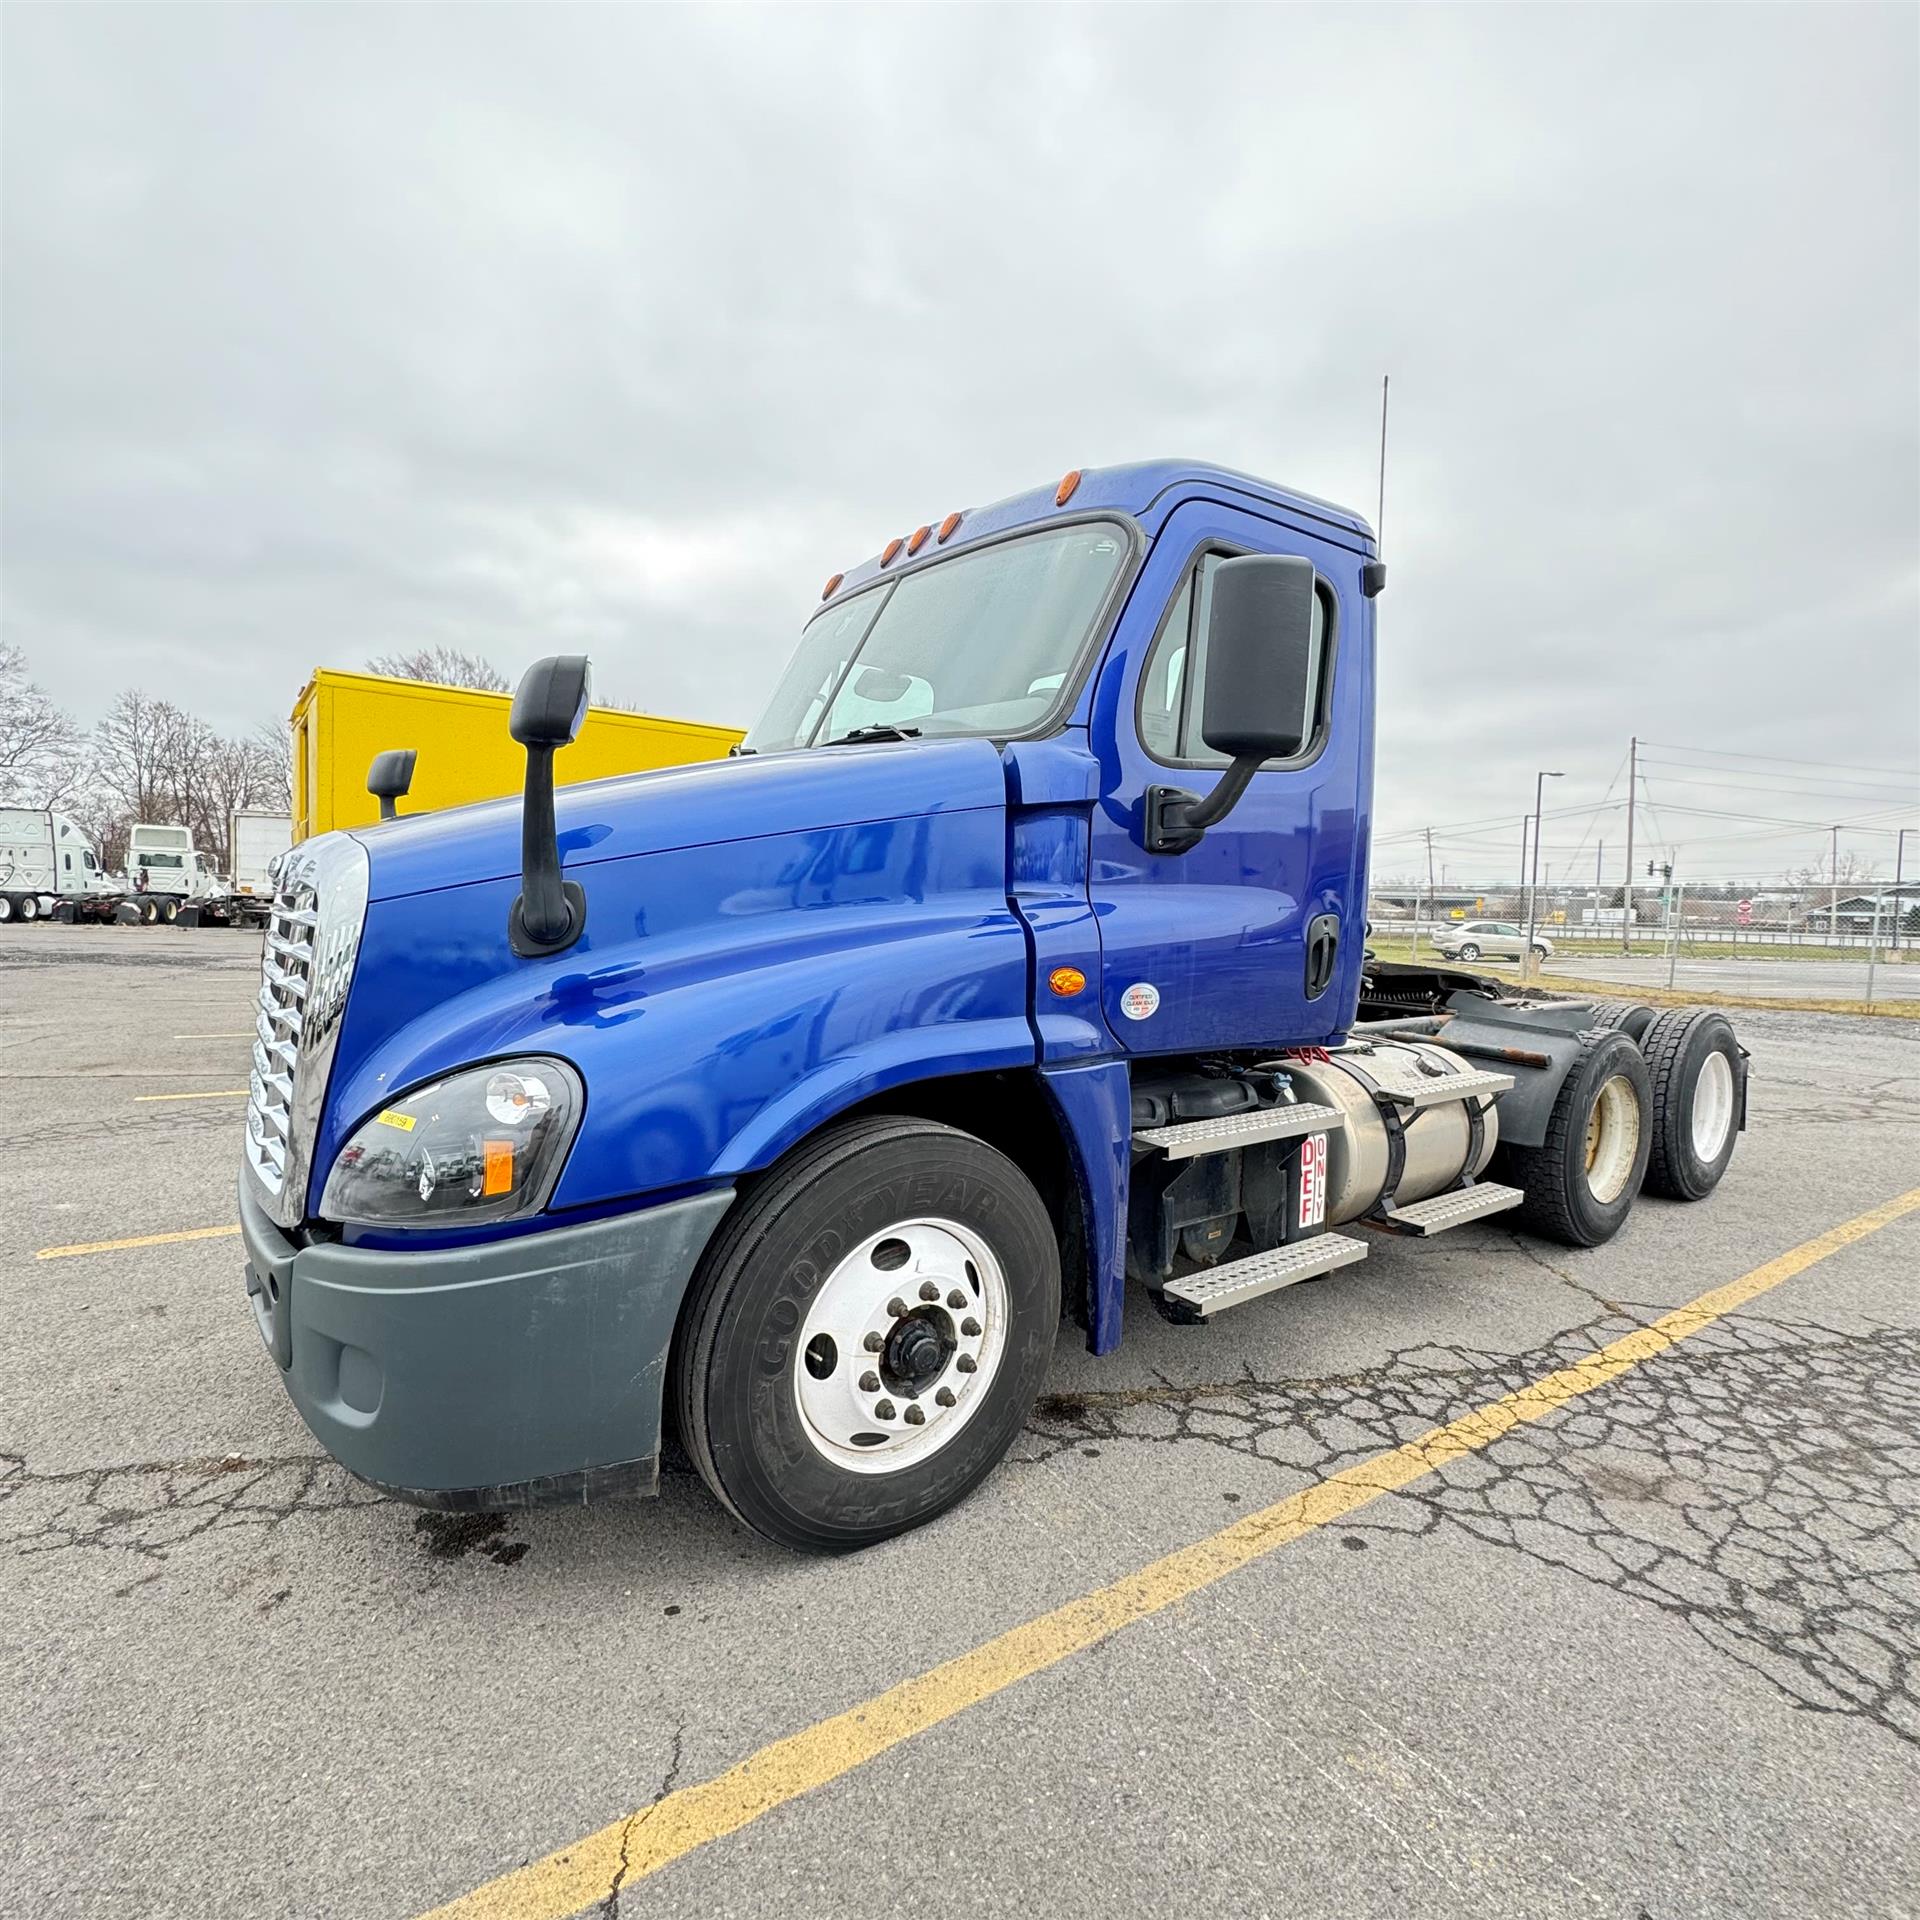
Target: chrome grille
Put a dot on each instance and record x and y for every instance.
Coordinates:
(313, 937)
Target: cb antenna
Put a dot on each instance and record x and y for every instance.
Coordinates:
(1380, 515)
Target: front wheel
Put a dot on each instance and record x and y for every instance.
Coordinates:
(1540, 953)
(1468, 951)
(868, 1333)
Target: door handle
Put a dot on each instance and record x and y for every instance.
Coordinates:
(1323, 946)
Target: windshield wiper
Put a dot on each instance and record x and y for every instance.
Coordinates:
(880, 732)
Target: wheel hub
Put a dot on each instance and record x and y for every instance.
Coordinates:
(900, 1345)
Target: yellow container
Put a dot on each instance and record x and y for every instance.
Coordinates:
(341, 720)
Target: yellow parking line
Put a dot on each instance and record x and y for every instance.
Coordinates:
(248, 1035)
(139, 1240)
(578, 1876)
(224, 1093)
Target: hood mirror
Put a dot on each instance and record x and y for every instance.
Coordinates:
(549, 709)
(389, 776)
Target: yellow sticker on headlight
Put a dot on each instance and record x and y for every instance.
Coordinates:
(406, 1122)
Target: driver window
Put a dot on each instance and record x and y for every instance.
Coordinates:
(1176, 672)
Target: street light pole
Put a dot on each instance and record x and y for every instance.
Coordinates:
(1533, 884)
(1899, 867)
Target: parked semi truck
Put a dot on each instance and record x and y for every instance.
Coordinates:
(1013, 968)
(342, 720)
(47, 862)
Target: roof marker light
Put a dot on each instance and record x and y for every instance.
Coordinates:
(1067, 486)
(917, 540)
(946, 529)
(826, 592)
(892, 547)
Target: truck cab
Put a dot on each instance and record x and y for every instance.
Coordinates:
(1012, 968)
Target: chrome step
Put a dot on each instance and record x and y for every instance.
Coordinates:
(1191, 1137)
(1444, 1210)
(1217, 1288)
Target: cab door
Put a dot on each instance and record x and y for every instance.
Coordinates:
(1252, 937)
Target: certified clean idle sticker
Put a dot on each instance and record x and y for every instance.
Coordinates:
(1141, 1000)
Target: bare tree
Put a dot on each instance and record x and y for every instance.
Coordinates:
(272, 742)
(444, 667)
(40, 757)
(127, 749)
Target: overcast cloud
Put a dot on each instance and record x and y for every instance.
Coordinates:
(335, 331)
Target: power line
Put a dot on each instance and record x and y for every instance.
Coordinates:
(1723, 753)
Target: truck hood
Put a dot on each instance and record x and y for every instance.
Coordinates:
(680, 807)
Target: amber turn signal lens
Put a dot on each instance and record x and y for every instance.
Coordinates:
(496, 1166)
(1067, 486)
(918, 539)
(826, 592)
(892, 547)
(1066, 982)
(946, 528)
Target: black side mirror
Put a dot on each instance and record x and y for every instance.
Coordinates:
(550, 914)
(389, 776)
(1259, 678)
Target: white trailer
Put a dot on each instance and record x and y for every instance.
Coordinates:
(255, 842)
(45, 860)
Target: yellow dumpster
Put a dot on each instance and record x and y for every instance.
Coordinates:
(341, 720)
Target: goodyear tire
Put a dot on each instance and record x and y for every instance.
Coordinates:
(1580, 1183)
(1699, 1095)
(867, 1334)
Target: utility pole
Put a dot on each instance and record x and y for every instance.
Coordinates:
(1899, 867)
(1626, 892)
(1524, 823)
(1539, 787)
(1833, 898)
(1599, 865)
(1430, 899)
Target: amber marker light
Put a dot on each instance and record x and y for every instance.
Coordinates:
(946, 529)
(893, 547)
(827, 592)
(496, 1166)
(917, 540)
(1065, 491)
(1066, 982)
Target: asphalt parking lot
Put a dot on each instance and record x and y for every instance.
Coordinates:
(1642, 1644)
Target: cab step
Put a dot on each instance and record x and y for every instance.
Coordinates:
(1198, 1296)
(1427, 1217)
(1193, 1137)
(1416, 1096)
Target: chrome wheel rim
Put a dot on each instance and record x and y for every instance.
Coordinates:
(1712, 1106)
(901, 1345)
(1613, 1139)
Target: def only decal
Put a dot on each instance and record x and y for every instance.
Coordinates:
(1313, 1180)
(1141, 1000)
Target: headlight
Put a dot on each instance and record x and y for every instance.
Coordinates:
(482, 1144)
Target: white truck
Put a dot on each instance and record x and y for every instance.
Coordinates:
(255, 842)
(165, 871)
(46, 860)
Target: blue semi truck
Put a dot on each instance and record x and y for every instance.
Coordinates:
(1014, 969)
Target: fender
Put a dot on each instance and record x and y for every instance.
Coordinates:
(754, 988)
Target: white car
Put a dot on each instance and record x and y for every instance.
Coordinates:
(1491, 940)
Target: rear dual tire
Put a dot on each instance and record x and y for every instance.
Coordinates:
(1698, 1074)
(899, 1232)
(1581, 1181)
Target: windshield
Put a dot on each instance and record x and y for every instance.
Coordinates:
(980, 643)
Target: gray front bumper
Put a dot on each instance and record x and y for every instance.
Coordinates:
(518, 1373)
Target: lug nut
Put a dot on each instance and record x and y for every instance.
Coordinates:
(965, 1363)
(928, 1290)
(945, 1396)
(897, 1307)
(916, 1416)
(883, 1409)
(873, 1343)
(869, 1383)
(956, 1298)
(970, 1327)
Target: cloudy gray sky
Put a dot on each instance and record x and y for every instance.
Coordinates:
(334, 330)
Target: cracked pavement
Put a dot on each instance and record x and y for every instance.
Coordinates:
(1655, 1655)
